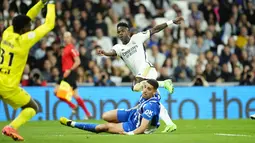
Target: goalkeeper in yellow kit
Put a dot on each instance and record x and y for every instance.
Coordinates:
(15, 45)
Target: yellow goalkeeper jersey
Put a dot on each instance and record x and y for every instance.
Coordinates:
(14, 48)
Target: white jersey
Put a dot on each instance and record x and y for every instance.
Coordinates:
(134, 53)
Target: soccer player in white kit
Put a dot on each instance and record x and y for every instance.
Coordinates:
(133, 53)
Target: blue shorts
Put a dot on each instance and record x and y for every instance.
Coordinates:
(124, 116)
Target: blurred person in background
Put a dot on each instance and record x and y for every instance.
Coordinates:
(250, 48)
(199, 46)
(209, 73)
(226, 75)
(237, 72)
(103, 41)
(182, 72)
(155, 57)
(46, 71)
(36, 78)
(247, 77)
(216, 65)
(167, 70)
(55, 75)
(242, 38)
(199, 79)
(191, 58)
(225, 55)
(229, 29)
(80, 75)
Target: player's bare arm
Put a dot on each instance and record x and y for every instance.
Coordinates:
(104, 53)
(140, 130)
(160, 27)
(143, 127)
(34, 36)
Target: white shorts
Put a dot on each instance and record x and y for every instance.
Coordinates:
(148, 73)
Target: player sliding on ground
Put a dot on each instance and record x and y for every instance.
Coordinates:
(133, 53)
(144, 118)
(16, 43)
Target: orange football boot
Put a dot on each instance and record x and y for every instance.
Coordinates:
(10, 132)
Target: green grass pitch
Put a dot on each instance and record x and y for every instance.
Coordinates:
(189, 131)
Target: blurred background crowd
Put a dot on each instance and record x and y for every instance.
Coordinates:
(214, 44)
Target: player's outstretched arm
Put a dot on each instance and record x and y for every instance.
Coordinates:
(160, 27)
(33, 12)
(34, 36)
(104, 53)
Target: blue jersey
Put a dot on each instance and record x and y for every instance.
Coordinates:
(148, 109)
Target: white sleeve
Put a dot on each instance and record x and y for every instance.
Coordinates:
(117, 49)
(142, 36)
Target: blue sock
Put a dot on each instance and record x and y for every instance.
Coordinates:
(86, 126)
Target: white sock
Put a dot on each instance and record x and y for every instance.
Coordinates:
(73, 123)
(164, 115)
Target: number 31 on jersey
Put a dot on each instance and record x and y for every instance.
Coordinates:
(2, 60)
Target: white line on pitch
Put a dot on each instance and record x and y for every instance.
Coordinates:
(231, 135)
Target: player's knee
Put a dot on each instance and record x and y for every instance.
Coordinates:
(102, 128)
(32, 104)
(106, 116)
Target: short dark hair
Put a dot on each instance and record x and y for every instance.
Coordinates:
(123, 24)
(19, 22)
(153, 82)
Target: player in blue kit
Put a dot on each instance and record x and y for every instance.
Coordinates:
(142, 119)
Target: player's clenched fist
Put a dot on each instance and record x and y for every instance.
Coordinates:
(101, 52)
